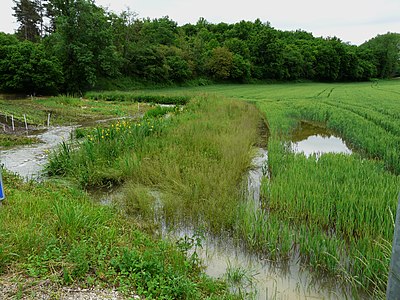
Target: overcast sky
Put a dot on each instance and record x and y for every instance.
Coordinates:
(353, 21)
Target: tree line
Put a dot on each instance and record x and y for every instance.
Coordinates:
(71, 45)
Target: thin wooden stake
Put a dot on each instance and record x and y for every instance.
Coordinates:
(26, 124)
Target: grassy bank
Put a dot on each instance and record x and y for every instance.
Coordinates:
(7, 140)
(52, 231)
(66, 110)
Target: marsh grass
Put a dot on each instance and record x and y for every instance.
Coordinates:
(196, 159)
(334, 210)
(199, 164)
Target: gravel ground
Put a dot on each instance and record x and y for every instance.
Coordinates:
(26, 289)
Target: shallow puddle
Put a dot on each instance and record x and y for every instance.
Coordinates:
(258, 277)
(313, 139)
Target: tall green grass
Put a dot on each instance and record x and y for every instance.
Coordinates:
(337, 211)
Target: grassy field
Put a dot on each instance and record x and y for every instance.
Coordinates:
(55, 232)
(337, 211)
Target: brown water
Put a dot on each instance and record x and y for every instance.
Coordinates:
(312, 139)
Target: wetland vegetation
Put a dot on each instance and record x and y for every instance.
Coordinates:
(147, 119)
(335, 211)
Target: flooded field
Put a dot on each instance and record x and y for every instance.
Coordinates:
(312, 139)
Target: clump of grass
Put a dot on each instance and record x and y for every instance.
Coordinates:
(241, 281)
(93, 162)
(160, 111)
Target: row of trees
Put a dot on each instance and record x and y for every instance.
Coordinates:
(67, 45)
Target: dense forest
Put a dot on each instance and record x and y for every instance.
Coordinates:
(75, 45)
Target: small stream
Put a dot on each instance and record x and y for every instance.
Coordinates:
(28, 161)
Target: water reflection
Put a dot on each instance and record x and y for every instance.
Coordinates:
(312, 139)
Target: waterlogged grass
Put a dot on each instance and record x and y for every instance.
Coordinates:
(50, 231)
(98, 159)
(337, 211)
(198, 164)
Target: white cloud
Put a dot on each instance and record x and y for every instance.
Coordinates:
(350, 20)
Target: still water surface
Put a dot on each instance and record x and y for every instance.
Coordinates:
(313, 139)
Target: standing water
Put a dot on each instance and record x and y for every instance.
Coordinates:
(312, 139)
(28, 161)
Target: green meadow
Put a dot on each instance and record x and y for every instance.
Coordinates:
(337, 211)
